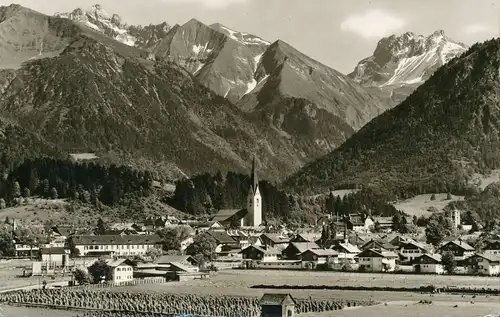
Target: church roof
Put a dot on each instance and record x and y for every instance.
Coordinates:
(255, 179)
(225, 214)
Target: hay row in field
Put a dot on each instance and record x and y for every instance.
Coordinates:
(211, 305)
(428, 288)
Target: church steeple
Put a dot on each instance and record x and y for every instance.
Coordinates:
(255, 179)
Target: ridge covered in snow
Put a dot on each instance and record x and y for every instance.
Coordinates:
(101, 21)
(402, 63)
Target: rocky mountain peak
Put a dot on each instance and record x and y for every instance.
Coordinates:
(402, 62)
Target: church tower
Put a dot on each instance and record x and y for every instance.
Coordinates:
(254, 201)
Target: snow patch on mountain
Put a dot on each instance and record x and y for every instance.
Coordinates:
(408, 59)
(241, 37)
(98, 19)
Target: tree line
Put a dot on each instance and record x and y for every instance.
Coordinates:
(87, 182)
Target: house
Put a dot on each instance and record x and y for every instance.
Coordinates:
(306, 237)
(121, 270)
(397, 240)
(295, 249)
(203, 225)
(383, 223)
(274, 240)
(377, 260)
(257, 253)
(411, 250)
(378, 244)
(460, 249)
(56, 255)
(230, 217)
(319, 256)
(225, 244)
(62, 231)
(492, 247)
(182, 259)
(483, 264)
(277, 305)
(25, 249)
(428, 263)
(240, 237)
(346, 250)
(359, 223)
(114, 245)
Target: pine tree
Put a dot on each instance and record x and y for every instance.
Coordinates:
(53, 193)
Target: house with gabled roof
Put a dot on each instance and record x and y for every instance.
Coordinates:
(345, 249)
(411, 250)
(359, 222)
(460, 249)
(384, 223)
(257, 253)
(274, 240)
(121, 270)
(306, 237)
(183, 259)
(377, 260)
(318, 256)
(492, 247)
(277, 305)
(228, 217)
(114, 245)
(378, 244)
(483, 264)
(428, 263)
(295, 249)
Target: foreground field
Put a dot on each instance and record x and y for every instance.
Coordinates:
(413, 309)
(237, 283)
(12, 311)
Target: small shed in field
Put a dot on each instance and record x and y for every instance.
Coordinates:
(277, 305)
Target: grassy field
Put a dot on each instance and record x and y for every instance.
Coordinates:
(419, 205)
(12, 311)
(413, 309)
(11, 269)
(38, 210)
(237, 283)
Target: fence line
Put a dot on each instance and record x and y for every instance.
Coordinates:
(148, 280)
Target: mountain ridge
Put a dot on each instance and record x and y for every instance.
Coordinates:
(434, 141)
(401, 63)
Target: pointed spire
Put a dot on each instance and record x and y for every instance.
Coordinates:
(255, 179)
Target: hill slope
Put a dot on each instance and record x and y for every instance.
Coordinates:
(400, 64)
(284, 72)
(432, 142)
(98, 95)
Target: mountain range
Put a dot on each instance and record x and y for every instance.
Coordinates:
(435, 141)
(401, 63)
(194, 98)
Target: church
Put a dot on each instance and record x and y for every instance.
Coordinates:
(251, 216)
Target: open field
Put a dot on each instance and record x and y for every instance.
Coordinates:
(419, 205)
(13, 311)
(237, 283)
(484, 181)
(9, 270)
(413, 309)
(38, 210)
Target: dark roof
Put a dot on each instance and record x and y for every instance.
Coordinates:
(226, 214)
(116, 239)
(165, 259)
(323, 252)
(64, 230)
(303, 246)
(461, 244)
(368, 253)
(276, 299)
(269, 251)
(53, 250)
(275, 238)
(222, 237)
(489, 257)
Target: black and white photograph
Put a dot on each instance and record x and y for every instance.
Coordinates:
(249, 158)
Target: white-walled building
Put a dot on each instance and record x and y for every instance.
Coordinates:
(492, 248)
(373, 260)
(483, 264)
(121, 270)
(114, 245)
(411, 250)
(428, 263)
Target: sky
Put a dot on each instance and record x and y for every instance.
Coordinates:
(338, 33)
